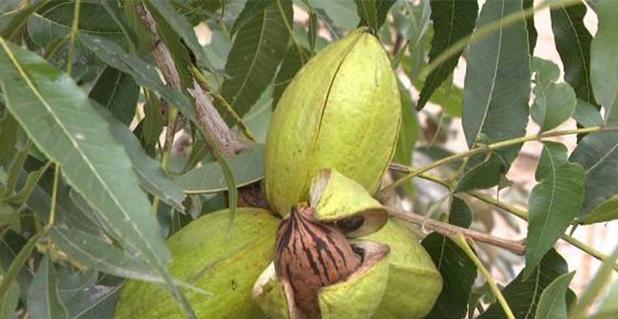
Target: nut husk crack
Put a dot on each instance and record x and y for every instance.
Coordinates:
(311, 255)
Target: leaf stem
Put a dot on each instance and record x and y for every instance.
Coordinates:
(72, 35)
(172, 119)
(460, 240)
(489, 148)
(54, 197)
(596, 286)
(488, 29)
(172, 123)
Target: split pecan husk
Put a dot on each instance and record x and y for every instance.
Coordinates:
(310, 255)
(319, 272)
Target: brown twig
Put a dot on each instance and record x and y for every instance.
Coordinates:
(511, 209)
(216, 132)
(452, 231)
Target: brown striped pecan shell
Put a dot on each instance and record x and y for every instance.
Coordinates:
(311, 255)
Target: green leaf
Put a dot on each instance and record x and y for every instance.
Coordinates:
(94, 252)
(149, 172)
(552, 304)
(58, 117)
(460, 215)
(12, 20)
(457, 270)
(94, 301)
(143, 73)
(335, 31)
(197, 11)
(604, 212)
(609, 305)
(66, 128)
(144, 41)
(254, 58)
(598, 154)
(497, 82)
(9, 129)
(532, 34)
(596, 285)
(448, 96)
(312, 32)
(458, 273)
(382, 9)
(39, 202)
(28, 185)
(182, 27)
(117, 92)
(603, 62)
(586, 114)
(572, 41)
(115, 11)
(367, 12)
(483, 172)
(71, 281)
(258, 118)
(8, 6)
(56, 22)
(554, 202)
(496, 89)
(342, 14)
(218, 49)
(554, 102)
(408, 134)
(523, 295)
(250, 12)
(247, 167)
(50, 31)
(93, 18)
(10, 301)
(152, 124)
(17, 264)
(452, 21)
(14, 170)
(291, 64)
(43, 299)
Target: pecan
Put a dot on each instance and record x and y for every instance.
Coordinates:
(311, 255)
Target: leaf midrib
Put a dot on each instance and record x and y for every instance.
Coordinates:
(255, 56)
(554, 170)
(611, 150)
(495, 75)
(450, 38)
(581, 53)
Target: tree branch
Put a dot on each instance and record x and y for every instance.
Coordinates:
(216, 132)
(511, 209)
(453, 231)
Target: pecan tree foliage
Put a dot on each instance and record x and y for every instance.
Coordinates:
(124, 122)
